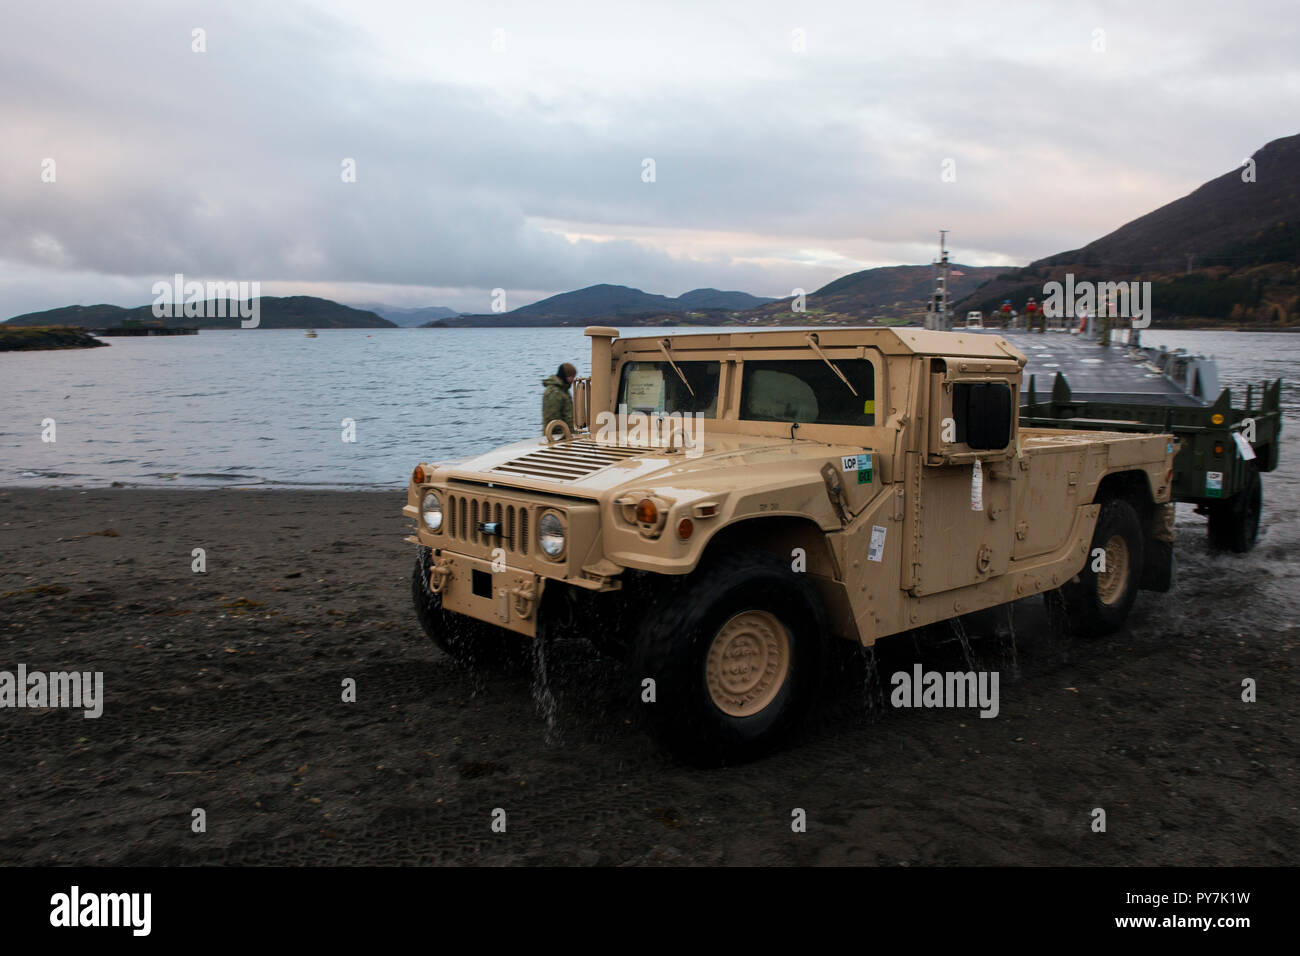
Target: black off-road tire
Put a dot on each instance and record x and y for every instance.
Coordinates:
(717, 635)
(1098, 603)
(1234, 524)
(474, 644)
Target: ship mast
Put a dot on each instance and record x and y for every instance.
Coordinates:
(938, 316)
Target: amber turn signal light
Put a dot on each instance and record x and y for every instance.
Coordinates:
(646, 512)
(418, 475)
(684, 528)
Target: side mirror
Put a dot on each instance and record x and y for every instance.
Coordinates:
(982, 411)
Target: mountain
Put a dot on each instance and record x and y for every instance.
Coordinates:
(890, 292)
(598, 301)
(409, 317)
(290, 312)
(887, 292)
(1226, 253)
(715, 299)
(630, 306)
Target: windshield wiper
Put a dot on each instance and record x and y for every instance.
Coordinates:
(812, 341)
(663, 347)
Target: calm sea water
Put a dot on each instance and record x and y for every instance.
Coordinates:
(266, 407)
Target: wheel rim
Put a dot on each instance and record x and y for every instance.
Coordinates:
(747, 663)
(1110, 583)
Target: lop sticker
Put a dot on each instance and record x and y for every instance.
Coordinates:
(1214, 484)
(858, 463)
(876, 551)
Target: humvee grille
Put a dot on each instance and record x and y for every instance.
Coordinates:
(567, 461)
(465, 513)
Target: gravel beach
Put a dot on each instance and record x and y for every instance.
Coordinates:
(224, 691)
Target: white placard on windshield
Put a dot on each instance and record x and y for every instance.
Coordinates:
(645, 389)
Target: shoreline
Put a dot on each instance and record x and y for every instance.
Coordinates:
(43, 338)
(269, 486)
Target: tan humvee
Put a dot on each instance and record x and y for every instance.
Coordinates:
(731, 500)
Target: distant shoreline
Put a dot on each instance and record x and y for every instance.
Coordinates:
(35, 338)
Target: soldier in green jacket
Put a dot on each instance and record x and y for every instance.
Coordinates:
(557, 403)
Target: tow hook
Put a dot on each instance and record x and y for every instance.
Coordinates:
(524, 597)
(439, 577)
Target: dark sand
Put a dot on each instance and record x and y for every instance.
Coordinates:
(223, 692)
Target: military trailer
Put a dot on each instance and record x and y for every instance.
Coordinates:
(730, 503)
(1223, 450)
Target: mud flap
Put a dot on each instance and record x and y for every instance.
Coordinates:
(1158, 550)
(1157, 565)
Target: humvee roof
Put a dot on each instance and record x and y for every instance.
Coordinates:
(889, 341)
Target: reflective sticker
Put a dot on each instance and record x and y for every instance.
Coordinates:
(976, 486)
(1214, 484)
(1243, 446)
(876, 552)
(869, 406)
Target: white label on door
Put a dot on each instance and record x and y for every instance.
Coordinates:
(876, 551)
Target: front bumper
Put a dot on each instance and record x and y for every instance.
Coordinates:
(508, 598)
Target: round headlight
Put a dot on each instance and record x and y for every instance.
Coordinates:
(550, 534)
(432, 509)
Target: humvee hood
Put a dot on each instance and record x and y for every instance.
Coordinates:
(584, 467)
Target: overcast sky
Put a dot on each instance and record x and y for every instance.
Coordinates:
(504, 144)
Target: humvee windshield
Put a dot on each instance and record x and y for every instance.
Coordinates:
(809, 392)
(651, 387)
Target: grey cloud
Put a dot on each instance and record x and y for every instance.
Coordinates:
(227, 163)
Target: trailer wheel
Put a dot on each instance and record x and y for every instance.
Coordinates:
(1097, 602)
(1234, 524)
(474, 644)
(735, 653)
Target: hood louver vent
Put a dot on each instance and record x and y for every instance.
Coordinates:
(567, 461)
